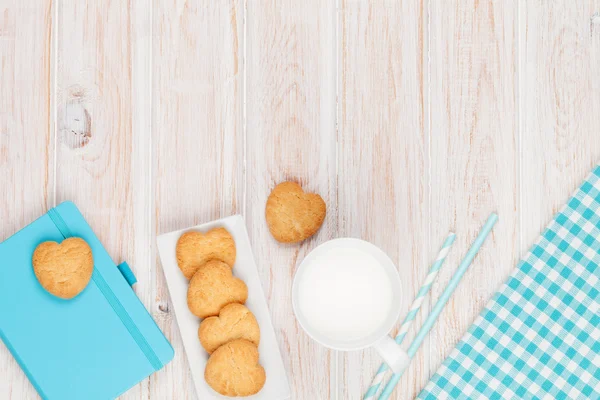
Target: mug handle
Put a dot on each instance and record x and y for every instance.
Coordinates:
(393, 355)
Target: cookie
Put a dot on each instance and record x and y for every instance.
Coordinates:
(293, 215)
(65, 269)
(233, 369)
(196, 248)
(235, 321)
(212, 287)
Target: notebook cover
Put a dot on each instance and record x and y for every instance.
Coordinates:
(95, 346)
(539, 336)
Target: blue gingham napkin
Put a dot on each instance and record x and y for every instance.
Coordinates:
(539, 336)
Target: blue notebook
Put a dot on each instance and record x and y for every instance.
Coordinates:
(95, 346)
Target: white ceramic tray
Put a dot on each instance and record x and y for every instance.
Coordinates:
(277, 386)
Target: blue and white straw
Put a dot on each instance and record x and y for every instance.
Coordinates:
(410, 317)
(441, 302)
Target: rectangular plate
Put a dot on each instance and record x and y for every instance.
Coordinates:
(277, 386)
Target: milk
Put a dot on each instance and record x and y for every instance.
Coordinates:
(344, 294)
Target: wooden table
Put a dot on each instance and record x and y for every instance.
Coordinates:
(410, 118)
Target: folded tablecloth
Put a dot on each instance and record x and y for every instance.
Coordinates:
(539, 336)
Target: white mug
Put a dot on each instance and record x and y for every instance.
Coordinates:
(349, 251)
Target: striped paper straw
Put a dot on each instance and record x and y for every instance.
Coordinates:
(414, 308)
(443, 299)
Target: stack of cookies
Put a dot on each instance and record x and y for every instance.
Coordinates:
(229, 331)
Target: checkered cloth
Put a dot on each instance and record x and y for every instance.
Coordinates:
(539, 337)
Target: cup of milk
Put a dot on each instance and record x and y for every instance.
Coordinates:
(346, 295)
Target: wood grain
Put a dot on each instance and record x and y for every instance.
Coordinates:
(383, 157)
(26, 145)
(560, 113)
(409, 118)
(197, 139)
(291, 136)
(102, 151)
(474, 153)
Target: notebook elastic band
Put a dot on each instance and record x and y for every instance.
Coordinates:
(126, 319)
(59, 222)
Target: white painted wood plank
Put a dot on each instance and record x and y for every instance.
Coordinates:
(560, 113)
(103, 148)
(383, 157)
(474, 153)
(197, 139)
(26, 150)
(291, 136)
(26, 147)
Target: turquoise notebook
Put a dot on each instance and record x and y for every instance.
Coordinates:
(95, 346)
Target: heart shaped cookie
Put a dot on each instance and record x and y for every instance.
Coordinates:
(212, 287)
(293, 215)
(195, 249)
(233, 369)
(65, 269)
(235, 321)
